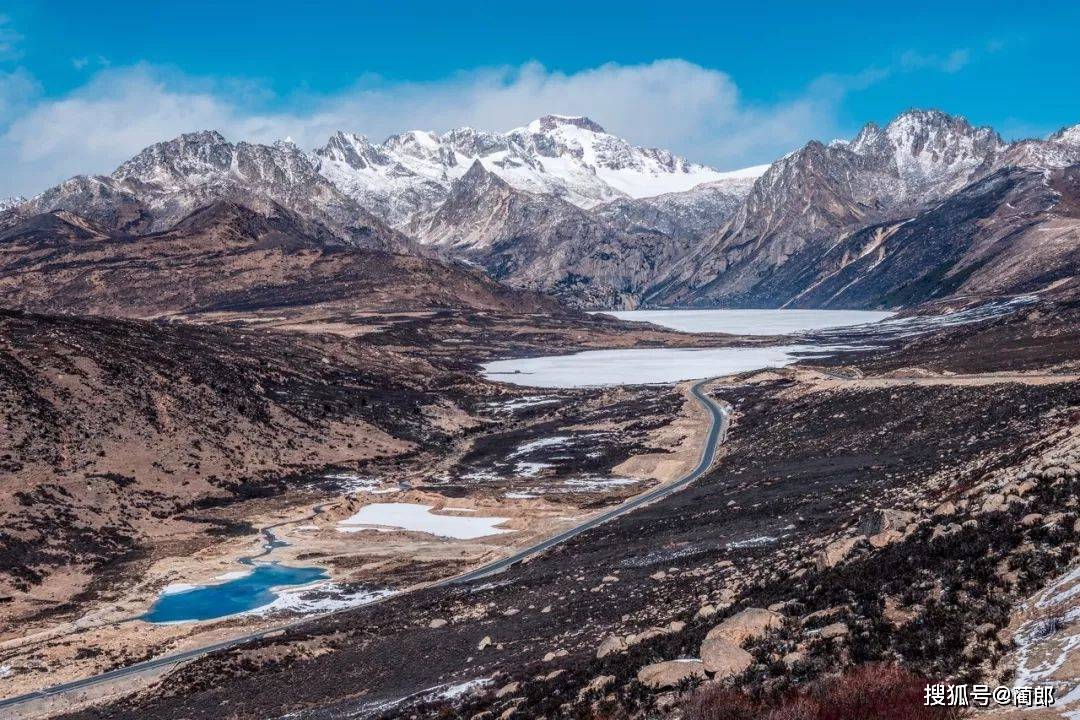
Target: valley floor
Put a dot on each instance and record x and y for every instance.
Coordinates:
(914, 505)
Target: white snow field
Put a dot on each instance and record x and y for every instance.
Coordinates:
(419, 518)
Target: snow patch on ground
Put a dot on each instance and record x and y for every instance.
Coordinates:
(321, 598)
(554, 441)
(1046, 641)
(531, 469)
(419, 518)
(594, 484)
(355, 484)
(521, 403)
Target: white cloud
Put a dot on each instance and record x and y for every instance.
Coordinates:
(951, 63)
(674, 104)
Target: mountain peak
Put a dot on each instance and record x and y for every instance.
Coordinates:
(1067, 135)
(548, 123)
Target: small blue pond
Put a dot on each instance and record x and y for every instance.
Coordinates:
(234, 596)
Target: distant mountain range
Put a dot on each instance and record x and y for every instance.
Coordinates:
(924, 208)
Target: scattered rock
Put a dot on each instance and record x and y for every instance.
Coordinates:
(484, 643)
(437, 623)
(1031, 519)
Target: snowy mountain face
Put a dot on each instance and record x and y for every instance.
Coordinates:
(571, 158)
(169, 180)
(8, 203)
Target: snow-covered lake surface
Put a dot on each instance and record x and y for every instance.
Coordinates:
(633, 367)
(419, 518)
(667, 365)
(751, 322)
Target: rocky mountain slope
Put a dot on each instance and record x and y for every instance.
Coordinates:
(226, 256)
(824, 205)
(545, 243)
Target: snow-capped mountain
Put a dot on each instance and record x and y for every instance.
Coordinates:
(169, 180)
(8, 203)
(571, 158)
(562, 206)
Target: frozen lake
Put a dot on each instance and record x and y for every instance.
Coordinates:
(667, 365)
(419, 518)
(751, 322)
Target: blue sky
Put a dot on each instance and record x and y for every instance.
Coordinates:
(85, 85)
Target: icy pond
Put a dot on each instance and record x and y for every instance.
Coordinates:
(665, 365)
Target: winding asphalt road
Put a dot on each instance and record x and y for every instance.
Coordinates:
(718, 427)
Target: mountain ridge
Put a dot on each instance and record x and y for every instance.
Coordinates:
(562, 207)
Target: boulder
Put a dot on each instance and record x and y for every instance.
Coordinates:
(484, 643)
(611, 644)
(750, 623)
(1052, 473)
(894, 613)
(835, 552)
(670, 673)
(836, 630)
(945, 508)
(882, 520)
(437, 623)
(793, 658)
(705, 611)
(723, 657)
(597, 684)
(1031, 519)
(508, 689)
(943, 531)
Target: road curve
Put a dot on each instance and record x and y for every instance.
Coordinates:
(718, 427)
